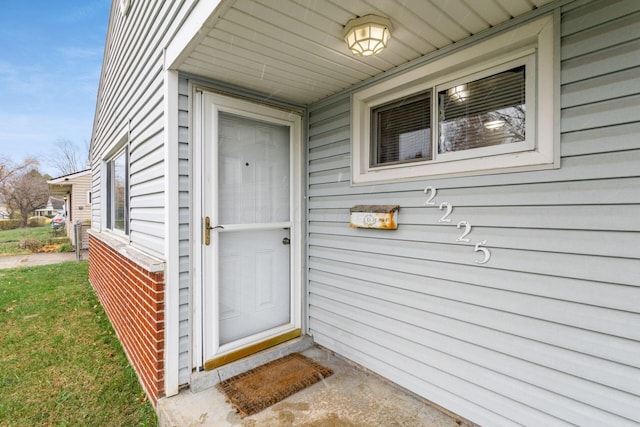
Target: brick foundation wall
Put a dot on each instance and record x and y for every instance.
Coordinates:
(133, 299)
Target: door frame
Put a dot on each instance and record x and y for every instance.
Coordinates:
(201, 296)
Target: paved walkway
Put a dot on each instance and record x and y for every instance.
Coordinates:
(38, 259)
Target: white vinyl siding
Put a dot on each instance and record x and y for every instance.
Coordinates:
(79, 192)
(545, 332)
(184, 202)
(131, 101)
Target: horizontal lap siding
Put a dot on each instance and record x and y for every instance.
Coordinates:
(546, 331)
(131, 100)
(184, 235)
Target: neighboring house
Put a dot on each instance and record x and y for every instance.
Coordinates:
(232, 139)
(75, 191)
(54, 205)
(4, 212)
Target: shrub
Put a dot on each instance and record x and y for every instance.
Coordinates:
(66, 247)
(60, 231)
(38, 221)
(10, 224)
(32, 245)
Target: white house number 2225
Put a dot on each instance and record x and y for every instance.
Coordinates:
(463, 226)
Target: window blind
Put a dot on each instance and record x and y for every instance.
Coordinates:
(402, 130)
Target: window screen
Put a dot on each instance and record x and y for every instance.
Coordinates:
(120, 184)
(482, 113)
(118, 193)
(401, 131)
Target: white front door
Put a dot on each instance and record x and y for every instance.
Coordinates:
(250, 228)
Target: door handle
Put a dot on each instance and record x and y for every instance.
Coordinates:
(207, 230)
(286, 241)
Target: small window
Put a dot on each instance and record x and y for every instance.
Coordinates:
(401, 131)
(487, 108)
(118, 192)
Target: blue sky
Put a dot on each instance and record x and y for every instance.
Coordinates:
(50, 58)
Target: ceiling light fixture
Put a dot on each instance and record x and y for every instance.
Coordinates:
(367, 35)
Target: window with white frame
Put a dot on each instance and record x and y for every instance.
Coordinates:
(401, 131)
(117, 203)
(487, 108)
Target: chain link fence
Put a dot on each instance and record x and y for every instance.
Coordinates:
(81, 235)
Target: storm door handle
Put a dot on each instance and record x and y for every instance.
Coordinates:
(207, 230)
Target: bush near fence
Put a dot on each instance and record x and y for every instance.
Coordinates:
(38, 221)
(10, 224)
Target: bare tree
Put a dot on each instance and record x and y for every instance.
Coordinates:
(8, 167)
(25, 191)
(68, 158)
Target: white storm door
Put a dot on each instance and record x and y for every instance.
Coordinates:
(249, 292)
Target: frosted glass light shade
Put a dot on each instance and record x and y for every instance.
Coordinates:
(367, 35)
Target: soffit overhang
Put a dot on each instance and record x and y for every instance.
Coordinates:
(293, 51)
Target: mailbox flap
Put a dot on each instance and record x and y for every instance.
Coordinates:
(375, 208)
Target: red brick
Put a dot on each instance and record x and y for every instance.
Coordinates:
(133, 299)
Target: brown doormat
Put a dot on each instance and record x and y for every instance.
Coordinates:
(259, 388)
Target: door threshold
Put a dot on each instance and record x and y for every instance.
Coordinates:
(204, 380)
(243, 352)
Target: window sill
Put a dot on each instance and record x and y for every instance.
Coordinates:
(149, 263)
(504, 163)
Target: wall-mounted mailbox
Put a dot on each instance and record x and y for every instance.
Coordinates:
(382, 217)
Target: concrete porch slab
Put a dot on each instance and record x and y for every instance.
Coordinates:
(350, 397)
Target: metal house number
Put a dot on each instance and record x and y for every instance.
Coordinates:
(485, 251)
(467, 229)
(432, 194)
(449, 209)
(464, 226)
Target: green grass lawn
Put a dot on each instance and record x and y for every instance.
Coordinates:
(18, 234)
(22, 241)
(60, 362)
